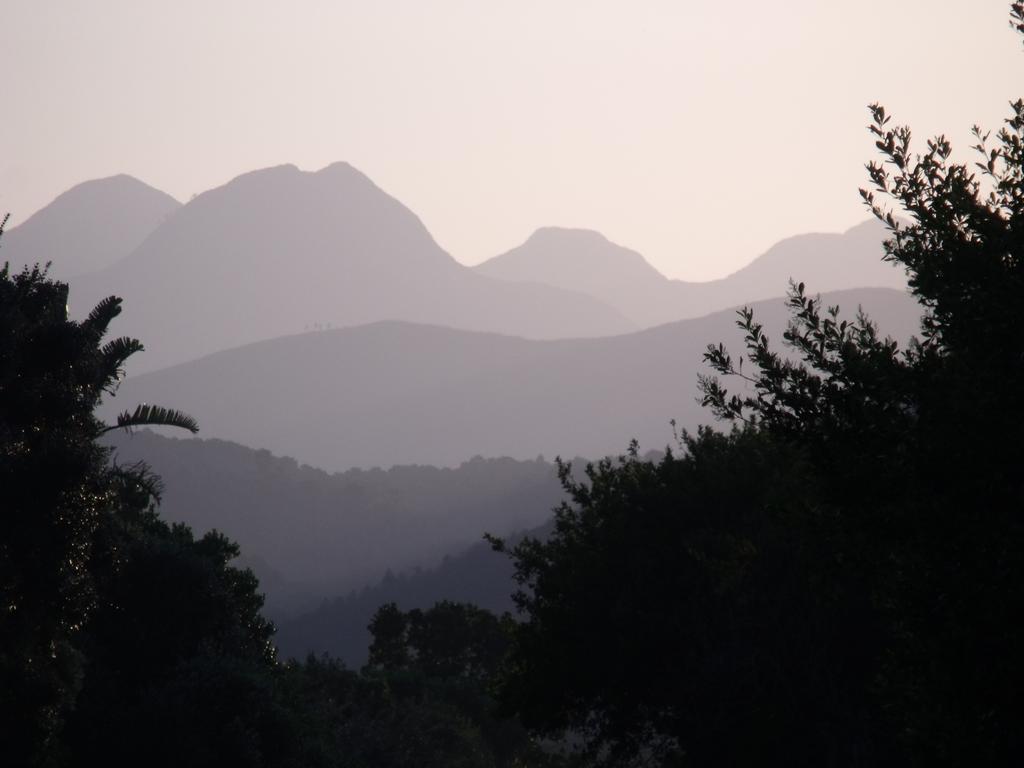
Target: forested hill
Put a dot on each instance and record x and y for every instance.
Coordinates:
(311, 535)
(339, 627)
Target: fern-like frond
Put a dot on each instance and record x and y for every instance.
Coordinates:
(120, 349)
(101, 315)
(114, 354)
(153, 416)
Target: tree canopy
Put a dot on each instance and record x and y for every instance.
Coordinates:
(836, 581)
(58, 486)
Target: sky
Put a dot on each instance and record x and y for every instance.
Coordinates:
(698, 133)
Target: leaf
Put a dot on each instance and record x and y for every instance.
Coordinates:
(101, 315)
(120, 349)
(153, 415)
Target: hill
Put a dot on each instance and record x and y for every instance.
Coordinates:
(280, 251)
(586, 261)
(397, 393)
(89, 227)
(309, 534)
(477, 575)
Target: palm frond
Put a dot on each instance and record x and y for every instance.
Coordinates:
(101, 315)
(153, 416)
(120, 349)
(113, 355)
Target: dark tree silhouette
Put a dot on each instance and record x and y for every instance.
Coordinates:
(179, 667)
(56, 485)
(858, 603)
(447, 656)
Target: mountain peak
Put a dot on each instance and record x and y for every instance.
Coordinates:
(290, 250)
(579, 259)
(90, 226)
(341, 167)
(119, 187)
(288, 179)
(568, 234)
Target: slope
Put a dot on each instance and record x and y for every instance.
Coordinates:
(89, 227)
(309, 534)
(397, 393)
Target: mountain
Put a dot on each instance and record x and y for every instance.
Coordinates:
(310, 535)
(279, 251)
(398, 393)
(586, 261)
(89, 227)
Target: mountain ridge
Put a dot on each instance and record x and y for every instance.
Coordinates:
(394, 392)
(310, 534)
(279, 250)
(586, 260)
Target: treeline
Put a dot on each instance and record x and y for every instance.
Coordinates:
(340, 627)
(310, 534)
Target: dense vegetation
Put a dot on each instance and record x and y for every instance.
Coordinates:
(836, 581)
(839, 580)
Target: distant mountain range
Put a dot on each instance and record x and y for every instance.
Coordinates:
(584, 260)
(89, 227)
(397, 393)
(279, 251)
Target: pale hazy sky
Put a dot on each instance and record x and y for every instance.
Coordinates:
(698, 133)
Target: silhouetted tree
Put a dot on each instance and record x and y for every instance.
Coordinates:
(858, 603)
(342, 718)
(179, 666)
(919, 451)
(667, 614)
(450, 640)
(56, 484)
(446, 657)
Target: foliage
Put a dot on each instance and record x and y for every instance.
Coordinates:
(857, 603)
(919, 450)
(448, 641)
(666, 614)
(177, 654)
(447, 656)
(342, 718)
(78, 532)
